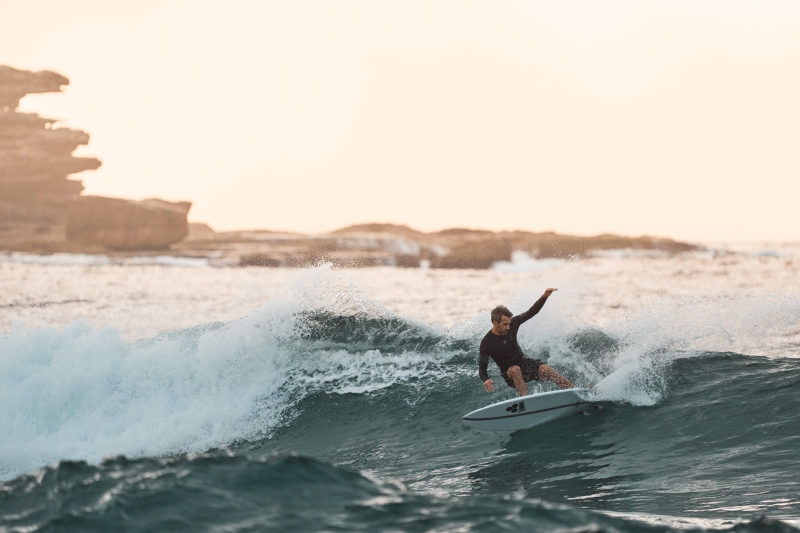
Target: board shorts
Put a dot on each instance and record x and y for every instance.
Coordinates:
(530, 371)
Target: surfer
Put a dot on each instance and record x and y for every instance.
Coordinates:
(501, 345)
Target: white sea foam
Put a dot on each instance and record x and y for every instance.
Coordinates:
(760, 250)
(55, 259)
(167, 260)
(623, 253)
(80, 392)
(523, 262)
(83, 393)
(651, 337)
(102, 260)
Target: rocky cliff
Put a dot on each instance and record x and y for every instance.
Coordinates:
(125, 225)
(35, 161)
(39, 201)
(42, 210)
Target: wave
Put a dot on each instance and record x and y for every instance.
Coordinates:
(80, 392)
(326, 358)
(291, 492)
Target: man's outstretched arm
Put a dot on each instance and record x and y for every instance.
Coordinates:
(530, 313)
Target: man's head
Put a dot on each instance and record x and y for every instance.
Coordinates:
(501, 320)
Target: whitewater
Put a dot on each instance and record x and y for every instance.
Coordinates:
(167, 394)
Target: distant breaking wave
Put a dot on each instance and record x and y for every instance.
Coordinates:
(103, 260)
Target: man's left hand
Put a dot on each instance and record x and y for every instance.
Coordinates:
(548, 292)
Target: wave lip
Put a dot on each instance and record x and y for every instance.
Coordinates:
(83, 393)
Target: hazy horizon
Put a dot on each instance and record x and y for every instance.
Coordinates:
(670, 119)
(496, 230)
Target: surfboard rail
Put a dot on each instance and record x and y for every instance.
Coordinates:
(528, 411)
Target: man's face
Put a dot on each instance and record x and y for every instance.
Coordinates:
(502, 327)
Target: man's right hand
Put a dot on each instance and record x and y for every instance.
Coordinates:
(488, 385)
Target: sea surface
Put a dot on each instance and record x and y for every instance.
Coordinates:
(165, 394)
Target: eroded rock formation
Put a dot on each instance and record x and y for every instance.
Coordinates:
(38, 200)
(126, 225)
(14, 84)
(35, 162)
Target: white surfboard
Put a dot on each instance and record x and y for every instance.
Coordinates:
(528, 411)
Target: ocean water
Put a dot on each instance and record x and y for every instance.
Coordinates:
(170, 395)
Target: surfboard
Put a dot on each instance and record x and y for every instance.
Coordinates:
(528, 411)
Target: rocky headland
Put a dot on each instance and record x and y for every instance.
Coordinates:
(42, 211)
(41, 207)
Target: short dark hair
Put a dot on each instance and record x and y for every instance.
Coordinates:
(499, 312)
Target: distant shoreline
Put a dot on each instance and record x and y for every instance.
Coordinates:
(380, 245)
(376, 244)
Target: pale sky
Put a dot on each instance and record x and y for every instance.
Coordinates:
(669, 118)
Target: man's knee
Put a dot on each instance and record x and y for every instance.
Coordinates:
(547, 373)
(545, 370)
(514, 372)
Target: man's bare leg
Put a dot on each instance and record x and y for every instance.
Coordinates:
(515, 374)
(547, 373)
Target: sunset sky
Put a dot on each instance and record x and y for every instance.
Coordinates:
(669, 118)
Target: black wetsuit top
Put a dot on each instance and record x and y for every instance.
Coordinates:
(504, 349)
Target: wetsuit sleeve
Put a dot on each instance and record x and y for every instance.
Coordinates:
(483, 365)
(530, 313)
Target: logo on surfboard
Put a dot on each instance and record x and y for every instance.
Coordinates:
(516, 407)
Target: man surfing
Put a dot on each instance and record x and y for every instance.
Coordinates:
(501, 345)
